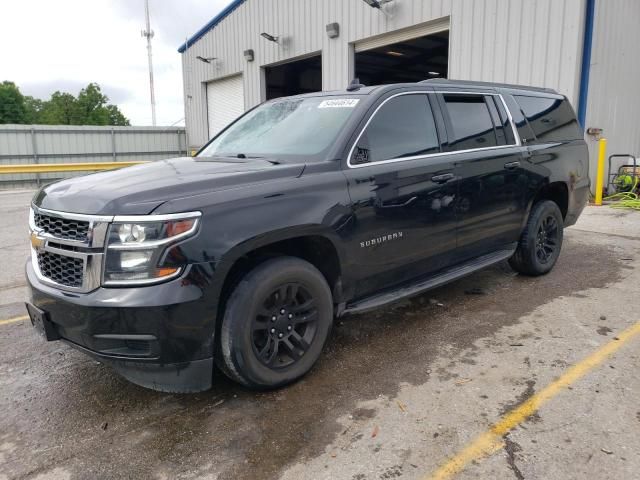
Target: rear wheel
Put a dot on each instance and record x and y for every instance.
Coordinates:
(275, 323)
(541, 241)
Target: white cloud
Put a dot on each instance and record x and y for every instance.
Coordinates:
(65, 44)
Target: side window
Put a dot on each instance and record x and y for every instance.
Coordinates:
(551, 119)
(403, 127)
(524, 130)
(471, 122)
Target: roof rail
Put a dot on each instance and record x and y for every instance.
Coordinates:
(446, 81)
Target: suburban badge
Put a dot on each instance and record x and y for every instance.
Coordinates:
(380, 240)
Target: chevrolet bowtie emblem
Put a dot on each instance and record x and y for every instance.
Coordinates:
(36, 241)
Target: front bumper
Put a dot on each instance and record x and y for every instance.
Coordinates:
(158, 336)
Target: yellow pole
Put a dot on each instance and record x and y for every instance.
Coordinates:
(602, 153)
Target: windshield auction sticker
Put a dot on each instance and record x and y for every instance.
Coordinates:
(340, 103)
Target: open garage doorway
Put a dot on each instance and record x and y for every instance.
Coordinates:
(407, 61)
(294, 78)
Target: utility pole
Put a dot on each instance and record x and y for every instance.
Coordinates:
(148, 33)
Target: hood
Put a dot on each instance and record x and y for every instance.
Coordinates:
(140, 189)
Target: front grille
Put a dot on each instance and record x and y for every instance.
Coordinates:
(62, 227)
(61, 269)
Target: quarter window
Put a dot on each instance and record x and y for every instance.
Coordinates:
(551, 119)
(402, 127)
(471, 123)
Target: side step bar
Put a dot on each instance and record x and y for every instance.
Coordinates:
(442, 278)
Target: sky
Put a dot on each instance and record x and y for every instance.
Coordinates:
(49, 45)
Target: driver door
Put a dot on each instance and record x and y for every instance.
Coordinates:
(403, 193)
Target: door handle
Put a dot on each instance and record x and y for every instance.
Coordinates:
(512, 165)
(443, 178)
(399, 205)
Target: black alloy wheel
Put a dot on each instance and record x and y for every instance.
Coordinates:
(275, 324)
(541, 241)
(547, 239)
(285, 325)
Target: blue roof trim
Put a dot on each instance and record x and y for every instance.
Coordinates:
(200, 33)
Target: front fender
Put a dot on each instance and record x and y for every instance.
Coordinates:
(237, 221)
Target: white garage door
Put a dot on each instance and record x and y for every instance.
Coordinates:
(225, 102)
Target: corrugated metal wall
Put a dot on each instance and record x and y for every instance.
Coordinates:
(526, 42)
(24, 144)
(536, 42)
(614, 102)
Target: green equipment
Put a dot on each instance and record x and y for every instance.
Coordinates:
(623, 184)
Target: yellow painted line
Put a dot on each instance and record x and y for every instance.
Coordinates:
(491, 441)
(63, 167)
(14, 320)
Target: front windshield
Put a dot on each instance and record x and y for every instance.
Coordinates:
(301, 127)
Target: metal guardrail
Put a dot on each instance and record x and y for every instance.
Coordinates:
(167, 153)
(54, 147)
(63, 167)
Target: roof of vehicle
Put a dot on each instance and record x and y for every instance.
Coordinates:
(436, 82)
(471, 84)
(332, 93)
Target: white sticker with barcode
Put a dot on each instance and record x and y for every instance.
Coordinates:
(340, 103)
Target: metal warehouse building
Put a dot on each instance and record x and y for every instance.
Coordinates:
(256, 50)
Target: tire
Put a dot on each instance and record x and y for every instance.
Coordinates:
(541, 241)
(263, 353)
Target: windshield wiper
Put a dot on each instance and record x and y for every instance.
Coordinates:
(244, 156)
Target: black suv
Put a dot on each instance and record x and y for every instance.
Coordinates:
(304, 209)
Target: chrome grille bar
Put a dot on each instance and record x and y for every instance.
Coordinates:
(73, 238)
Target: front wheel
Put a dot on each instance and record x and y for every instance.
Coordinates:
(275, 323)
(541, 241)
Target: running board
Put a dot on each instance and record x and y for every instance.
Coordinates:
(444, 277)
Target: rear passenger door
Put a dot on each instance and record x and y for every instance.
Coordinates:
(492, 194)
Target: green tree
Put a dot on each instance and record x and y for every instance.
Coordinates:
(94, 109)
(91, 107)
(12, 107)
(61, 109)
(34, 108)
(116, 117)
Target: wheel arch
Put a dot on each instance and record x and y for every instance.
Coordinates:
(312, 244)
(557, 192)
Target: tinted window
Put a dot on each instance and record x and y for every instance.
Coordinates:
(403, 127)
(471, 122)
(551, 119)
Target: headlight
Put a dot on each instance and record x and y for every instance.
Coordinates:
(136, 247)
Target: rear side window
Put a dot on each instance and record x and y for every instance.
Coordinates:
(551, 119)
(402, 127)
(473, 122)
